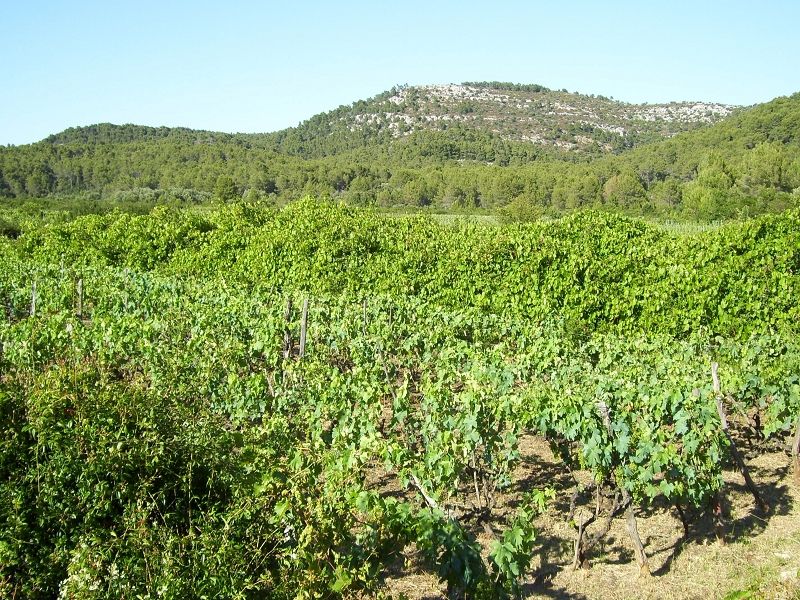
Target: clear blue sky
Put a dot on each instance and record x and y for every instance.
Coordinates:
(262, 66)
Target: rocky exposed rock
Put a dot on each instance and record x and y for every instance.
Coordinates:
(556, 118)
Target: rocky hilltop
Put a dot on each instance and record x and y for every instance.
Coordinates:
(525, 113)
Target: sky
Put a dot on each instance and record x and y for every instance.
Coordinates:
(262, 66)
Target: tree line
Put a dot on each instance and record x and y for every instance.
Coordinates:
(747, 164)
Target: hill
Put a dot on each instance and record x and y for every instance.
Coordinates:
(488, 110)
(514, 112)
(450, 147)
(108, 133)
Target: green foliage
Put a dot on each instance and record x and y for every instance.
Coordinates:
(745, 165)
(168, 441)
(520, 211)
(596, 271)
(624, 190)
(9, 228)
(503, 85)
(513, 553)
(225, 189)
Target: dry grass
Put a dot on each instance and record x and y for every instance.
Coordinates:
(760, 560)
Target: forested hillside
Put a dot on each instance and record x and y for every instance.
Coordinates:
(745, 164)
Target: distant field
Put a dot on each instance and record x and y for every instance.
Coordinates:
(448, 218)
(673, 227)
(686, 227)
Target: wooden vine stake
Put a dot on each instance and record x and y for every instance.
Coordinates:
(33, 299)
(796, 453)
(79, 294)
(303, 328)
(287, 332)
(734, 450)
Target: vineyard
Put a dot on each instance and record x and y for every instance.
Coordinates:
(253, 402)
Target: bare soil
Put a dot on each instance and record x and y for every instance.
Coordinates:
(760, 559)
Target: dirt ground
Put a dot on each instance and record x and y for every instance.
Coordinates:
(761, 557)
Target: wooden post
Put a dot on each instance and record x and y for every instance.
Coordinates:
(718, 396)
(287, 333)
(79, 293)
(734, 450)
(427, 497)
(33, 299)
(796, 453)
(303, 328)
